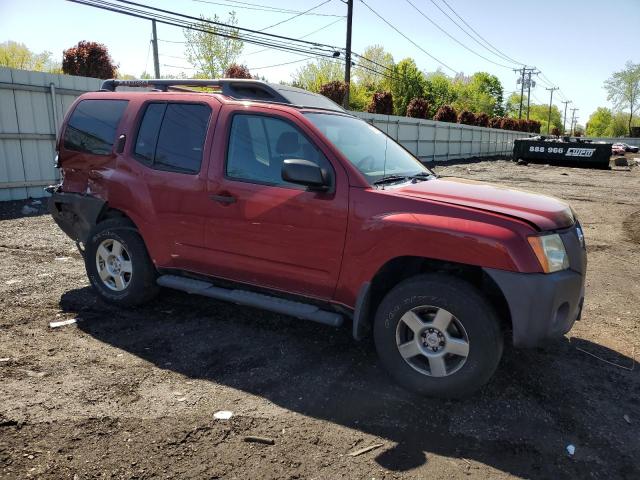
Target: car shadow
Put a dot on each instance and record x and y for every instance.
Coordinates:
(538, 402)
(12, 209)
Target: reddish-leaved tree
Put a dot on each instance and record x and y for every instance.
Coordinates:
(381, 102)
(88, 59)
(446, 113)
(482, 120)
(418, 107)
(237, 71)
(495, 122)
(335, 90)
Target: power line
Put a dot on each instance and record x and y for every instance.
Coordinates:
(453, 38)
(303, 36)
(407, 38)
(495, 51)
(220, 24)
(278, 42)
(264, 8)
(295, 16)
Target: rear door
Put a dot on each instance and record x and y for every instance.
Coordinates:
(167, 177)
(261, 229)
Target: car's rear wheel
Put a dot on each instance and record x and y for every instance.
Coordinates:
(118, 265)
(437, 335)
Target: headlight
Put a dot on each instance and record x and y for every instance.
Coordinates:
(550, 252)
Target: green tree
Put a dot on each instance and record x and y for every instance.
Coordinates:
(313, 75)
(211, 53)
(409, 82)
(479, 93)
(17, 55)
(374, 74)
(600, 123)
(438, 91)
(623, 89)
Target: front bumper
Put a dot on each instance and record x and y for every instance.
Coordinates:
(545, 305)
(542, 306)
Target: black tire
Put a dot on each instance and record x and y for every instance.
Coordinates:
(142, 285)
(469, 308)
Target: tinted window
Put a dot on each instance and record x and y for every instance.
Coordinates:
(258, 146)
(171, 136)
(92, 126)
(148, 134)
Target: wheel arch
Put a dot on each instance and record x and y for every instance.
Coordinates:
(400, 268)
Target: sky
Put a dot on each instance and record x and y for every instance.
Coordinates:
(575, 44)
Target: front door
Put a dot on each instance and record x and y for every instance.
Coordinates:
(263, 230)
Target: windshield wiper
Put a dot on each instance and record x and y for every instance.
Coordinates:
(390, 179)
(421, 176)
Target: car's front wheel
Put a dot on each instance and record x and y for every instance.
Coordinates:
(438, 336)
(118, 265)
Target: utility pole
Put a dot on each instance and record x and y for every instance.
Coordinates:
(552, 89)
(564, 119)
(347, 67)
(154, 42)
(525, 71)
(573, 116)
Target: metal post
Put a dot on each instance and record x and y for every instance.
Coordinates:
(521, 92)
(347, 67)
(564, 120)
(573, 116)
(154, 42)
(552, 89)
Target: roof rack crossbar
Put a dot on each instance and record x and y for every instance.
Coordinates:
(236, 88)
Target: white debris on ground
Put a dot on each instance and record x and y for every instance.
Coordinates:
(62, 323)
(223, 415)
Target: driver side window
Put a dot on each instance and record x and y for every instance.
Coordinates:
(259, 145)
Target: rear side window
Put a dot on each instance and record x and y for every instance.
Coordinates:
(172, 135)
(92, 126)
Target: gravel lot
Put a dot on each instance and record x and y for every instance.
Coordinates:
(132, 394)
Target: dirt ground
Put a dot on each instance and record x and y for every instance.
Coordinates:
(132, 394)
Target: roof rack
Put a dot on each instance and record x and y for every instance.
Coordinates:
(238, 89)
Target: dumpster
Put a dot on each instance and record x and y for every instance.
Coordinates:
(563, 152)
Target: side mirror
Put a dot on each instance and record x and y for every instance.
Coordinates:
(304, 172)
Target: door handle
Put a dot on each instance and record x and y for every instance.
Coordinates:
(223, 199)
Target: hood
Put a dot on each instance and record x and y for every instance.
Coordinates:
(545, 212)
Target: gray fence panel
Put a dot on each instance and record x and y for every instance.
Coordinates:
(32, 107)
(431, 140)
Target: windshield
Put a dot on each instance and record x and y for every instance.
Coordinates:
(366, 148)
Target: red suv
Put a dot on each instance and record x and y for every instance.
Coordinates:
(274, 197)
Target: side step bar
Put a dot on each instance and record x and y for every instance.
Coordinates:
(303, 311)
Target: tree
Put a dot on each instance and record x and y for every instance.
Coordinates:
(381, 102)
(467, 118)
(623, 89)
(446, 113)
(89, 59)
(418, 108)
(482, 120)
(409, 82)
(213, 54)
(335, 91)
(315, 74)
(370, 71)
(17, 55)
(237, 71)
(599, 124)
(479, 93)
(438, 91)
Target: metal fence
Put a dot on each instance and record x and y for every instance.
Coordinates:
(32, 106)
(440, 141)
